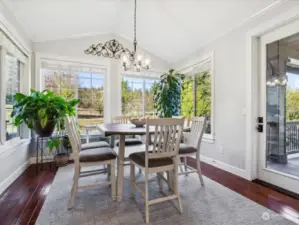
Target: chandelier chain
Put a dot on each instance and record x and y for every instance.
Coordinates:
(135, 39)
(114, 49)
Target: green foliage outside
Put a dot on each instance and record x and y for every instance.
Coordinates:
(196, 97)
(132, 99)
(292, 104)
(91, 107)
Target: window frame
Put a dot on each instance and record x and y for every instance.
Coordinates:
(143, 78)
(190, 68)
(77, 68)
(8, 46)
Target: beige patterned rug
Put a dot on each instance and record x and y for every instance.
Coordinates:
(212, 205)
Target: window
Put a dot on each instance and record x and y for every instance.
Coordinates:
(138, 96)
(197, 94)
(13, 79)
(91, 95)
(13, 69)
(87, 84)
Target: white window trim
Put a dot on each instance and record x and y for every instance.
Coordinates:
(190, 66)
(7, 45)
(69, 62)
(144, 77)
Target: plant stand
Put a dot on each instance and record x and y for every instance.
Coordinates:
(40, 147)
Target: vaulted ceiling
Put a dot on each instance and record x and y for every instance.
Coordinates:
(170, 29)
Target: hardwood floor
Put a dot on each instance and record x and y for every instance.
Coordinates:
(23, 200)
(21, 203)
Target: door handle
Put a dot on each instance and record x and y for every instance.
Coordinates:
(260, 128)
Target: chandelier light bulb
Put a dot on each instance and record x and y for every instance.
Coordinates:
(125, 58)
(147, 62)
(139, 57)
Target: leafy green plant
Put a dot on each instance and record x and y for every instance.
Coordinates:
(42, 107)
(54, 143)
(167, 94)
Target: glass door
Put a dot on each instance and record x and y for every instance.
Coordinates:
(278, 121)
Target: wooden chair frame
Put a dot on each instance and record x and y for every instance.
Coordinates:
(193, 138)
(167, 136)
(76, 147)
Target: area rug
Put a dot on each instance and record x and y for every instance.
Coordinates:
(213, 204)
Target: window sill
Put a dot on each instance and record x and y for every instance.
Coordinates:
(12, 146)
(208, 138)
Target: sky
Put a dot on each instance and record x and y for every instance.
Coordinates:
(90, 80)
(293, 81)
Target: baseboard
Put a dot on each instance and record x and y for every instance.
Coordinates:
(48, 158)
(221, 165)
(12, 177)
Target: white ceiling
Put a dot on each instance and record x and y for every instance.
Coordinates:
(170, 29)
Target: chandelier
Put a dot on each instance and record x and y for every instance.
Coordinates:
(131, 60)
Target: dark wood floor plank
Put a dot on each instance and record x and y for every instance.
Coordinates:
(20, 196)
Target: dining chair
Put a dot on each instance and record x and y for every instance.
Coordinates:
(129, 141)
(187, 121)
(162, 157)
(88, 145)
(191, 146)
(88, 157)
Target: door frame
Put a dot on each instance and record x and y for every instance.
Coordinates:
(252, 74)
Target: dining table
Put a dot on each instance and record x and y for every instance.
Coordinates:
(122, 130)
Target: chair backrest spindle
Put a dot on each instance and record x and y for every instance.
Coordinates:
(167, 136)
(194, 137)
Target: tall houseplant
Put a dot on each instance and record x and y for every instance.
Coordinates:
(167, 94)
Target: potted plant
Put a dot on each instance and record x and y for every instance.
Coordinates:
(167, 94)
(43, 112)
(61, 156)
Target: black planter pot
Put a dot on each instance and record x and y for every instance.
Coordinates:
(47, 130)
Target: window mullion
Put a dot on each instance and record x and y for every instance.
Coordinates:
(2, 94)
(194, 95)
(143, 97)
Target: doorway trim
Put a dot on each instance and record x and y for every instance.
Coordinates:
(252, 72)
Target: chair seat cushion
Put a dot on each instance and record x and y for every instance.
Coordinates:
(97, 144)
(139, 158)
(97, 155)
(130, 141)
(186, 149)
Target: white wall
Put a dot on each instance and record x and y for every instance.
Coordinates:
(14, 157)
(73, 50)
(231, 91)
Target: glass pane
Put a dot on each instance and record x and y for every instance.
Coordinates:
(132, 102)
(282, 122)
(13, 86)
(187, 104)
(203, 97)
(149, 98)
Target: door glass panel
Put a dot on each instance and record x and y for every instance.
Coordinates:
(282, 122)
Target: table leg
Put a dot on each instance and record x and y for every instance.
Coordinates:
(120, 167)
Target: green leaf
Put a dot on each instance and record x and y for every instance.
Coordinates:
(44, 121)
(41, 113)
